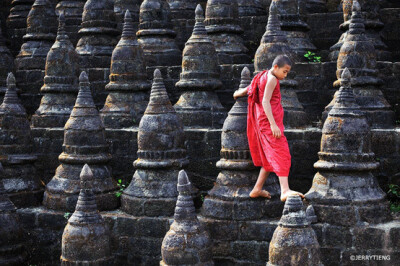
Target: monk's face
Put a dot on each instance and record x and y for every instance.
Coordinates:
(281, 72)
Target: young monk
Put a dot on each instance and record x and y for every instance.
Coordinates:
(268, 145)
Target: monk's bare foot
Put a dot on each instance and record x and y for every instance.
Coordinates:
(259, 193)
(285, 194)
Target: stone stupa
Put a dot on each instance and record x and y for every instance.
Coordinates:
(128, 87)
(199, 105)
(86, 238)
(60, 82)
(84, 142)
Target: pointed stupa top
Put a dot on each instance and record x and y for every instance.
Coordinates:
(84, 98)
(186, 228)
(61, 32)
(41, 21)
(155, 14)
(86, 208)
(159, 101)
(235, 153)
(203, 72)
(357, 20)
(5, 203)
(128, 69)
(346, 121)
(184, 209)
(273, 43)
(11, 102)
(294, 214)
(357, 53)
(61, 76)
(162, 144)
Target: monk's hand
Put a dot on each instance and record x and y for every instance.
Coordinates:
(236, 94)
(276, 132)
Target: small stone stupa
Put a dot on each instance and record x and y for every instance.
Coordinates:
(16, 23)
(98, 38)
(128, 87)
(31, 61)
(294, 241)
(223, 28)
(344, 190)
(199, 105)
(12, 250)
(274, 43)
(60, 83)
(187, 242)
(156, 34)
(294, 27)
(6, 65)
(373, 25)
(120, 7)
(19, 179)
(161, 154)
(72, 10)
(86, 238)
(84, 142)
(359, 56)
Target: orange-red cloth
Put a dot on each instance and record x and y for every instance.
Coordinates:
(267, 151)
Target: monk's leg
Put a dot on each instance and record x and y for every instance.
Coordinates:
(285, 190)
(257, 190)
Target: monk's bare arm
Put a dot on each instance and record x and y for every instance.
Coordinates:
(240, 93)
(269, 89)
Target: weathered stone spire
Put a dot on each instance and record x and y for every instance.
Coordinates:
(72, 10)
(120, 7)
(222, 25)
(359, 56)
(20, 180)
(86, 238)
(187, 242)
(84, 142)
(31, 61)
(12, 250)
(156, 35)
(370, 12)
(16, 23)
(127, 98)
(230, 194)
(274, 43)
(60, 83)
(344, 190)
(161, 154)
(294, 241)
(6, 65)
(98, 38)
(199, 106)
(294, 27)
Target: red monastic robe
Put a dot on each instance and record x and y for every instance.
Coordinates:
(267, 151)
